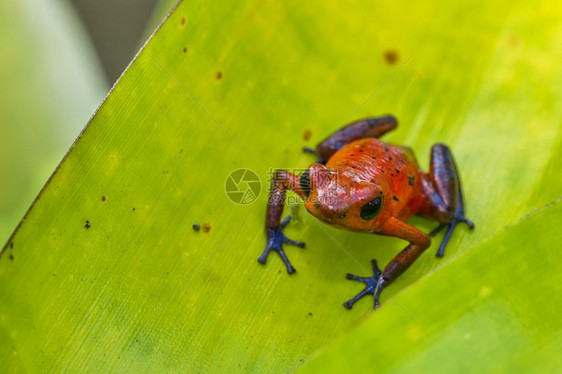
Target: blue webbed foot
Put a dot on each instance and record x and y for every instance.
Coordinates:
(459, 218)
(374, 286)
(275, 241)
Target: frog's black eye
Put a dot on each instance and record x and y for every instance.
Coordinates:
(305, 183)
(370, 210)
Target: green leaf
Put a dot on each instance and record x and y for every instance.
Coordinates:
(106, 273)
(495, 309)
(51, 84)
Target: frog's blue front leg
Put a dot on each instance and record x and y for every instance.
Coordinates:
(282, 181)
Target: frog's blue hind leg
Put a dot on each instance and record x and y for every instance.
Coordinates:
(444, 192)
(366, 128)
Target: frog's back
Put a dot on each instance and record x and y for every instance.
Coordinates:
(392, 167)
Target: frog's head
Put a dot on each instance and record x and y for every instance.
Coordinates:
(341, 199)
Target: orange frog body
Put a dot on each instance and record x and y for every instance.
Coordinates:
(361, 183)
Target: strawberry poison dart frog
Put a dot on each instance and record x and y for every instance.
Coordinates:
(361, 183)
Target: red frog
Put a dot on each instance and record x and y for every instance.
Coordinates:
(361, 183)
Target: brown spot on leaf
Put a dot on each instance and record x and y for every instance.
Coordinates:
(306, 134)
(391, 57)
(182, 21)
(513, 41)
(218, 76)
(184, 49)
(103, 198)
(206, 227)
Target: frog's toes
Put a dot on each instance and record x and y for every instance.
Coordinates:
(460, 218)
(374, 286)
(275, 241)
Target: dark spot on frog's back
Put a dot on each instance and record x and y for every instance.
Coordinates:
(395, 198)
(411, 180)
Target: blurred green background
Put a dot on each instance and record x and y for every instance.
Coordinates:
(59, 59)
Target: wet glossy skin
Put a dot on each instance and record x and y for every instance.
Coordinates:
(357, 174)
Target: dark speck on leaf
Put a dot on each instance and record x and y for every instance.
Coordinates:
(11, 257)
(184, 49)
(12, 245)
(103, 198)
(87, 225)
(391, 57)
(196, 226)
(218, 76)
(182, 21)
(206, 227)
(306, 134)
(310, 314)
(133, 208)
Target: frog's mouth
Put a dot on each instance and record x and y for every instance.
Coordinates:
(331, 218)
